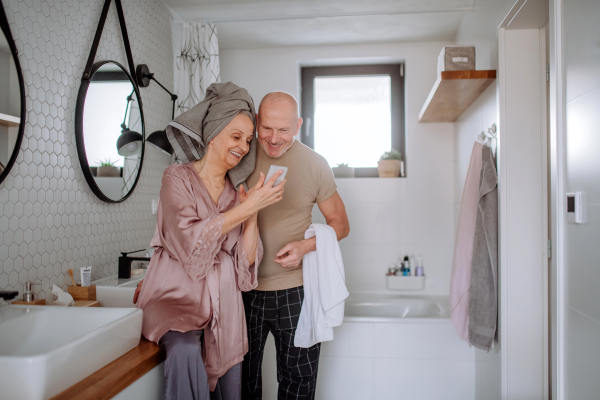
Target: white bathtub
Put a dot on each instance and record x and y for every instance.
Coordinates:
(394, 308)
(390, 347)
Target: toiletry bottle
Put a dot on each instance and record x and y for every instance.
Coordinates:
(86, 276)
(419, 270)
(391, 270)
(400, 268)
(406, 266)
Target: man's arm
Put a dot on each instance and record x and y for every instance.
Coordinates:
(334, 211)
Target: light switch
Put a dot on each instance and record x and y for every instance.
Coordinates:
(575, 208)
(154, 207)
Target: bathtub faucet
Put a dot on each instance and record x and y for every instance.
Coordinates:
(125, 263)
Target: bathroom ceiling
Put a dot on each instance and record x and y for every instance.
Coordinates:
(276, 23)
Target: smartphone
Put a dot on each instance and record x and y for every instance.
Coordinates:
(272, 170)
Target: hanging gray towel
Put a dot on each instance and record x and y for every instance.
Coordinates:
(483, 296)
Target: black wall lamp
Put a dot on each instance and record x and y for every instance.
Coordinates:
(157, 138)
(130, 142)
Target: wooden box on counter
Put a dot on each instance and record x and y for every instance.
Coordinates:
(83, 293)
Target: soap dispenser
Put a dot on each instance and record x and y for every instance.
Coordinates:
(419, 270)
(28, 295)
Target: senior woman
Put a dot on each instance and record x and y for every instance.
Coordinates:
(207, 247)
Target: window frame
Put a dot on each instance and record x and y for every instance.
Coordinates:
(394, 71)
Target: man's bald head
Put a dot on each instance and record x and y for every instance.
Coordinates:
(277, 123)
(281, 101)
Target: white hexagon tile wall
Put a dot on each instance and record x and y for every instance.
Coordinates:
(50, 220)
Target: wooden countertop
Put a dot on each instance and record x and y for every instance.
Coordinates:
(116, 376)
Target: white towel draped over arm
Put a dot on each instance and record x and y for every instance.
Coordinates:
(324, 289)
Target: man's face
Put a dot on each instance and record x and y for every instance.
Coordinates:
(277, 126)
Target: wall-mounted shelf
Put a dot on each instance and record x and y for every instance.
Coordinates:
(453, 93)
(9, 120)
(396, 282)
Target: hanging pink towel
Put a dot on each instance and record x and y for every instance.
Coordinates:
(460, 280)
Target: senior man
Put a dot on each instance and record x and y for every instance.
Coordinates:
(275, 304)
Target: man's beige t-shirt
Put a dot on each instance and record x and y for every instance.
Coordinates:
(309, 181)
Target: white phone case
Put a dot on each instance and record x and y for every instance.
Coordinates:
(272, 170)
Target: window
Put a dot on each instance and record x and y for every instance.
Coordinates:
(352, 114)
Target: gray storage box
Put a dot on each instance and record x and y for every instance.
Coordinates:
(456, 58)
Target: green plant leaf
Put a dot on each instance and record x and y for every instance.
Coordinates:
(393, 154)
(106, 163)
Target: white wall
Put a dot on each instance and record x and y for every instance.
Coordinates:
(479, 117)
(523, 215)
(480, 29)
(50, 220)
(414, 359)
(582, 275)
(388, 217)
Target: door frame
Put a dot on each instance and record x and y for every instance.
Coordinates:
(557, 122)
(523, 186)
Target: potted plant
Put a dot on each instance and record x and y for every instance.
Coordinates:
(343, 171)
(107, 168)
(390, 165)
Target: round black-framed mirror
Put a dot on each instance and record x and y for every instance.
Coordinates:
(12, 99)
(110, 131)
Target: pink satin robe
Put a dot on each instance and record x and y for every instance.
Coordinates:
(196, 273)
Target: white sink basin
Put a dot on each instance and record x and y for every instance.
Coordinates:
(45, 350)
(113, 292)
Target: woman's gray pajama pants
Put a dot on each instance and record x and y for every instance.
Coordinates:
(185, 375)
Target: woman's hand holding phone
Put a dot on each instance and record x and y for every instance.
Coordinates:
(263, 194)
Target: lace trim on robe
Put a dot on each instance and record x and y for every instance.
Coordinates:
(206, 249)
(246, 275)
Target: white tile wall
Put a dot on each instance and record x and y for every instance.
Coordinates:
(408, 360)
(389, 218)
(404, 379)
(582, 322)
(49, 218)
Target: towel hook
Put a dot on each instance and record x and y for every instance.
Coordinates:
(492, 131)
(490, 135)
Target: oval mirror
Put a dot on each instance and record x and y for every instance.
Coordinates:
(109, 128)
(12, 100)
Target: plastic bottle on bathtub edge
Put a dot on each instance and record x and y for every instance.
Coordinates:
(391, 270)
(419, 270)
(406, 266)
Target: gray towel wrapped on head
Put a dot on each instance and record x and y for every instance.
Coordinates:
(190, 132)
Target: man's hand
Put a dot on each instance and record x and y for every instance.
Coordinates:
(292, 253)
(136, 294)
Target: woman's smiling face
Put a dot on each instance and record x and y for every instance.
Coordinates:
(233, 142)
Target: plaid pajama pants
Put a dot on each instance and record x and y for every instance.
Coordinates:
(278, 312)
